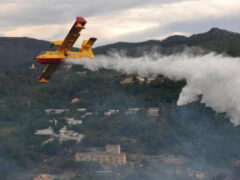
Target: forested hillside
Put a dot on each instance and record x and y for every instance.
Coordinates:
(207, 140)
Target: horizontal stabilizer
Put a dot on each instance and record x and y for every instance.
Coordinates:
(90, 42)
(87, 47)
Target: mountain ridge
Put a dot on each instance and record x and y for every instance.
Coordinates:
(195, 39)
(19, 51)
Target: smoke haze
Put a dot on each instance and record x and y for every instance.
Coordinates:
(213, 79)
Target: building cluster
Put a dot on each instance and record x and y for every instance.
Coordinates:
(111, 112)
(111, 156)
(63, 135)
(151, 112)
(56, 111)
(140, 79)
(81, 73)
(69, 121)
(61, 111)
(50, 177)
(72, 121)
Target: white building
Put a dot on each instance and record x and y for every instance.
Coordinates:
(140, 78)
(72, 121)
(63, 135)
(55, 111)
(48, 132)
(32, 67)
(153, 112)
(81, 109)
(132, 111)
(87, 114)
(111, 112)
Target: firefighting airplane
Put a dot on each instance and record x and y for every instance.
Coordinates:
(53, 59)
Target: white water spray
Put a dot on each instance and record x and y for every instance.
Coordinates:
(214, 78)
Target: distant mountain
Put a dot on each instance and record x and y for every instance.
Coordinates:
(175, 39)
(213, 34)
(218, 40)
(21, 51)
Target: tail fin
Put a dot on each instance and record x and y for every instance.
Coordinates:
(87, 47)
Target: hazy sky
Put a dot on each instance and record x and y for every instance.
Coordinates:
(117, 20)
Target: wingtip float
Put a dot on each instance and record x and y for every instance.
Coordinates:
(53, 59)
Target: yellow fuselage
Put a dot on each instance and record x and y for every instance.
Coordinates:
(55, 57)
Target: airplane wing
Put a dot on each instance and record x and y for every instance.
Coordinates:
(47, 72)
(73, 35)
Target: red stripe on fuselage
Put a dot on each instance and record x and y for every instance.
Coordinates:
(50, 60)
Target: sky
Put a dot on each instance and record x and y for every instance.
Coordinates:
(111, 21)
